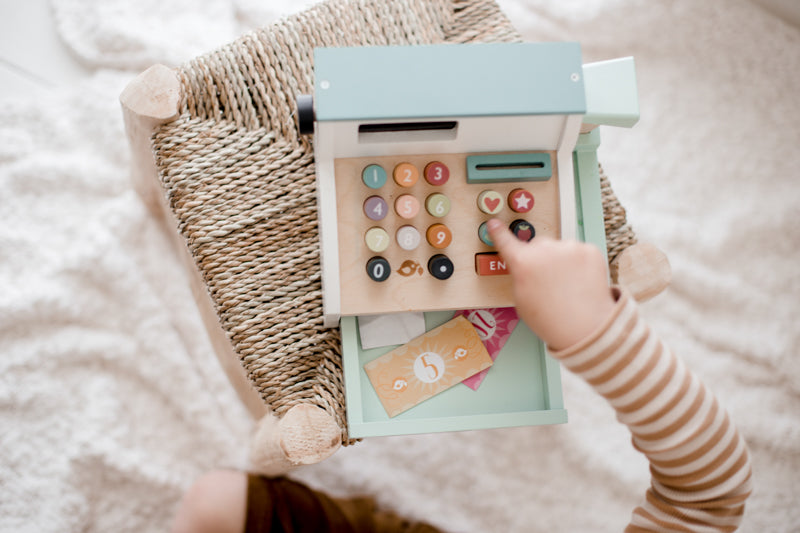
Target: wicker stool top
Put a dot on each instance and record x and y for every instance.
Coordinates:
(240, 181)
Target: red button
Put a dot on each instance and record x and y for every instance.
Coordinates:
(436, 173)
(520, 201)
(490, 264)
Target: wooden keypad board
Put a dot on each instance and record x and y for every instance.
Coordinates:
(412, 233)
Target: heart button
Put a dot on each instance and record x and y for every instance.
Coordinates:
(490, 202)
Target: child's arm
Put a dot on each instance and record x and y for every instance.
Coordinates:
(699, 463)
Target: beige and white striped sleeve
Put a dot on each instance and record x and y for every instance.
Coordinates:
(699, 463)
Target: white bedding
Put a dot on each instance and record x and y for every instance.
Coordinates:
(111, 400)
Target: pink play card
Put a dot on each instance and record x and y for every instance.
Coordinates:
(494, 327)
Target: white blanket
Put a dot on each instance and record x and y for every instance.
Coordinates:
(111, 400)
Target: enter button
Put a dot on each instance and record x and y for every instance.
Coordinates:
(490, 264)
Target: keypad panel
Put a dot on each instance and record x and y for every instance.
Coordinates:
(412, 231)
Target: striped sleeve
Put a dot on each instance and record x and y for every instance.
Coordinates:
(699, 463)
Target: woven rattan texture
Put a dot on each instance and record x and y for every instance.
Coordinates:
(240, 181)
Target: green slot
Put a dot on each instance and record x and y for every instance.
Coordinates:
(508, 167)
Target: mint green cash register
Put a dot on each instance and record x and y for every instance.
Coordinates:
(416, 147)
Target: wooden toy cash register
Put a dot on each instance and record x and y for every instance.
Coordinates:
(416, 147)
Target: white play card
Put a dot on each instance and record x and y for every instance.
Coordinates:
(387, 330)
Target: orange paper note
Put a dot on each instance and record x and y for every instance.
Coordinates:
(427, 365)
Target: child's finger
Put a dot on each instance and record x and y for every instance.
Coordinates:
(504, 240)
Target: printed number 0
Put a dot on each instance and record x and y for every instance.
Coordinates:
(377, 270)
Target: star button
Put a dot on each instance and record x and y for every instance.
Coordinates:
(520, 200)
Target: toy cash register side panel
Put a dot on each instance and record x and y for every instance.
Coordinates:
(444, 103)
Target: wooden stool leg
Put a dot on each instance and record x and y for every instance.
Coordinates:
(642, 269)
(305, 435)
(150, 100)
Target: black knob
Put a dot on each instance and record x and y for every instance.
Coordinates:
(305, 113)
(378, 269)
(523, 229)
(440, 266)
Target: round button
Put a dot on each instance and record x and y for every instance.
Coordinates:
(407, 206)
(375, 208)
(436, 173)
(373, 176)
(483, 234)
(439, 236)
(440, 266)
(490, 202)
(520, 201)
(378, 269)
(408, 237)
(437, 204)
(377, 239)
(523, 229)
(405, 174)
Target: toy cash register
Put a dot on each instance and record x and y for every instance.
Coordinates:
(416, 147)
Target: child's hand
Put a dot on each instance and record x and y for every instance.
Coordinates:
(560, 287)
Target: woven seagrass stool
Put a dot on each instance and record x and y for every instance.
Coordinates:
(217, 155)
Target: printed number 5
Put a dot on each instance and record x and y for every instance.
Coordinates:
(429, 367)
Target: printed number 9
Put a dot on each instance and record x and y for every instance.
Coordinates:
(441, 237)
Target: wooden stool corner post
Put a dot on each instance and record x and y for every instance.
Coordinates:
(150, 100)
(642, 269)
